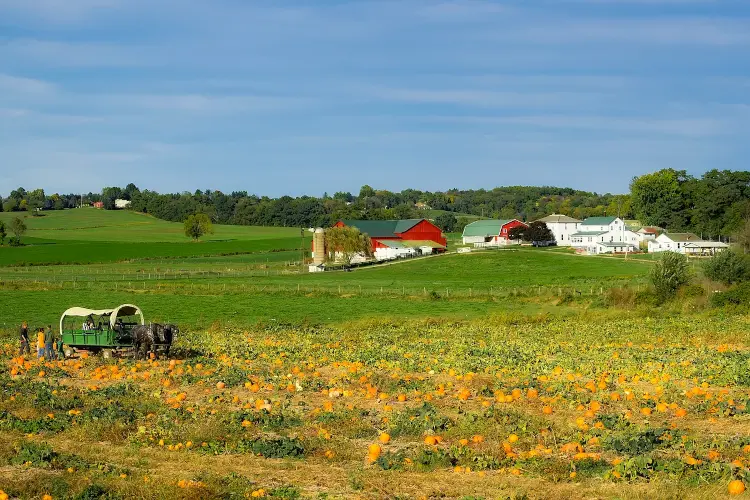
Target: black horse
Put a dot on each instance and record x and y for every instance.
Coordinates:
(165, 335)
(147, 339)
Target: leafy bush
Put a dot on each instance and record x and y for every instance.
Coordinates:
(669, 273)
(282, 447)
(737, 295)
(727, 267)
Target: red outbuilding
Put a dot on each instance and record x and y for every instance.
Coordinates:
(409, 232)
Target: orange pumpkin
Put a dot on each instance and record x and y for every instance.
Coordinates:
(736, 487)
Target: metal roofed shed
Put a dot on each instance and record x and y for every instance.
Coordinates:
(598, 221)
(382, 228)
(484, 228)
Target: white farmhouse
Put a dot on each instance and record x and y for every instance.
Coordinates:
(687, 243)
(595, 230)
(562, 227)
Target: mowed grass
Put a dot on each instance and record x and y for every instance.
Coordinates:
(90, 224)
(502, 268)
(200, 311)
(40, 252)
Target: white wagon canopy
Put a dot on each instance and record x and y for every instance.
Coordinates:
(123, 310)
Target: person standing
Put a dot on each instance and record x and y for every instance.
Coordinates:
(49, 353)
(24, 334)
(59, 346)
(39, 343)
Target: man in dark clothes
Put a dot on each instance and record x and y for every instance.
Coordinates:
(49, 353)
(24, 334)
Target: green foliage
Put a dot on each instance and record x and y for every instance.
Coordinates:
(281, 447)
(738, 295)
(537, 231)
(447, 222)
(3, 232)
(197, 225)
(715, 204)
(461, 223)
(638, 443)
(18, 227)
(345, 243)
(727, 267)
(670, 271)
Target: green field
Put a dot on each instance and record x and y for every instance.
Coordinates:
(90, 224)
(255, 275)
(87, 235)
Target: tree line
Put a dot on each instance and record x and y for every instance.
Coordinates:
(717, 203)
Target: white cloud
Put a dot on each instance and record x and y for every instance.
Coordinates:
(23, 85)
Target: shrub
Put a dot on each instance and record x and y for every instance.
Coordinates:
(669, 273)
(737, 295)
(727, 267)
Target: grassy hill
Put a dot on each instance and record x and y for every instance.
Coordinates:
(90, 224)
(88, 235)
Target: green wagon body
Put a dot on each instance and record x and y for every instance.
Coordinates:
(83, 339)
(106, 336)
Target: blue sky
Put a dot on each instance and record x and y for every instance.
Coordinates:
(289, 97)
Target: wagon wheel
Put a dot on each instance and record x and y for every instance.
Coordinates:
(107, 353)
(68, 352)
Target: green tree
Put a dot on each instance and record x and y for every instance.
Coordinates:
(727, 267)
(345, 243)
(670, 271)
(3, 232)
(538, 231)
(517, 233)
(742, 236)
(366, 192)
(197, 225)
(461, 223)
(657, 198)
(10, 205)
(446, 222)
(18, 228)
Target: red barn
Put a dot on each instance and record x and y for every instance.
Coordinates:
(492, 231)
(409, 232)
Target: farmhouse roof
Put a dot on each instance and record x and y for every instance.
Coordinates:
(552, 218)
(382, 228)
(683, 237)
(598, 221)
(706, 244)
(589, 233)
(485, 227)
(649, 230)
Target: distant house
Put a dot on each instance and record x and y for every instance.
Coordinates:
(98, 204)
(122, 203)
(490, 232)
(648, 233)
(562, 227)
(595, 230)
(686, 243)
(422, 205)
